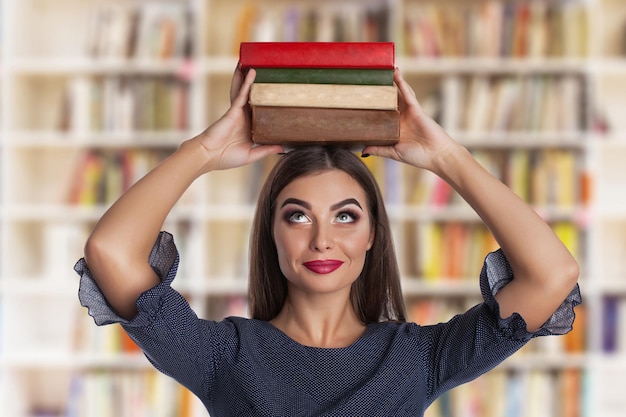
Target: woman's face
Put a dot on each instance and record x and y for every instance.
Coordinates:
(322, 231)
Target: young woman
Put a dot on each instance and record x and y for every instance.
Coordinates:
(328, 334)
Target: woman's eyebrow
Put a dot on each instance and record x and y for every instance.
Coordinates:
(345, 203)
(335, 206)
(296, 201)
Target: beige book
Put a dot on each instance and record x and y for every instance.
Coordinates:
(335, 96)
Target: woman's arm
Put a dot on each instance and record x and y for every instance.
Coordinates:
(118, 248)
(544, 270)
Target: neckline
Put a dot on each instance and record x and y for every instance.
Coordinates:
(368, 328)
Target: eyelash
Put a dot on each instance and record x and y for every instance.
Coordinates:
(353, 214)
(290, 214)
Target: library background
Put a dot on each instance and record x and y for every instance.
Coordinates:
(95, 92)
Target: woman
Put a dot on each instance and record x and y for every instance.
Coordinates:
(316, 175)
(328, 334)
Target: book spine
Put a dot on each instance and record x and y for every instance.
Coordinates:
(378, 97)
(299, 125)
(356, 76)
(127, 393)
(610, 316)
(376, 55)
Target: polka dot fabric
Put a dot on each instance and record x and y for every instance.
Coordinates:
(243, 367)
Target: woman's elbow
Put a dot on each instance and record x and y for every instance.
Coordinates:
(95, 252)
(571, 270)
(567, 275)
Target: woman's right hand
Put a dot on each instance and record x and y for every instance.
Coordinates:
(228, 142)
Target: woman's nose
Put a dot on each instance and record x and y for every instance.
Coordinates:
(322, 238)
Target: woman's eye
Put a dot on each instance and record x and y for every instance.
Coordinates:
(345, 217)
(297, 217)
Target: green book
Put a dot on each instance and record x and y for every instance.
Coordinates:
(324, 76)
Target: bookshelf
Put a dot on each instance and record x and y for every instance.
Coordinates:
(75, 97)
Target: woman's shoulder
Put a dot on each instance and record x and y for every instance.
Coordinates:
(399, 333)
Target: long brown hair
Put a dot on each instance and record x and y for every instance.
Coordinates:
(376, 294)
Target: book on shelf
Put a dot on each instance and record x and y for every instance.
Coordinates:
(569, 234)
(527, 392)
(103, 393)
(147, 31)
(431, 311)
(576, 341)
(537, 29)
(373, 55)
(332, 96)
(102, 176)
(451, 250)
(614, 324)
(298, 22)
(534, 103)
(125, 104)
(570, 386)
(100, 340)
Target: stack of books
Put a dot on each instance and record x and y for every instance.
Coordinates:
(322, 92)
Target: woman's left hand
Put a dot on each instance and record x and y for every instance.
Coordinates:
(422, 142)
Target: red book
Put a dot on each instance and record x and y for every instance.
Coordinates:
(376, 55)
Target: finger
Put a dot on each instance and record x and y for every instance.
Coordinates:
(408, 95)
(262, 151)
(242, 96)
(387, 151)
(235, 84)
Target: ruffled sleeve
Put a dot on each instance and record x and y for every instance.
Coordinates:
(164, 261)
(170, 334)
(497, 273)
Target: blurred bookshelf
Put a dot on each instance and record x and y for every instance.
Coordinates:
(95, 93)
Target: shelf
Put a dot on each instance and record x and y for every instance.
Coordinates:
(612, 287)
(527, 361)
(463, 213)
(612, 212)
(608, 66)
(76, 213)
(520, 140)
(245, 212)
(225, 65)
(75, 361)
(56, 139)
(45, 67)
(40, 287)
(488, 140)
(476, 65)
(457, 287)
(95, 66)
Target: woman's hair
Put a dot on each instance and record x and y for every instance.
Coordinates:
(376, 294)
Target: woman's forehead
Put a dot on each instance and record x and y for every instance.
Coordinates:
(328, 180)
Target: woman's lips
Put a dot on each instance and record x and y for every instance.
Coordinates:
(323, 267)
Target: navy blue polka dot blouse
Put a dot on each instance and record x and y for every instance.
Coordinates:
(243, 367)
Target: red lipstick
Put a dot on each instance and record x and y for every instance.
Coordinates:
(323, 266)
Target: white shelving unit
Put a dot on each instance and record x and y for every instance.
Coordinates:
(46, 68)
